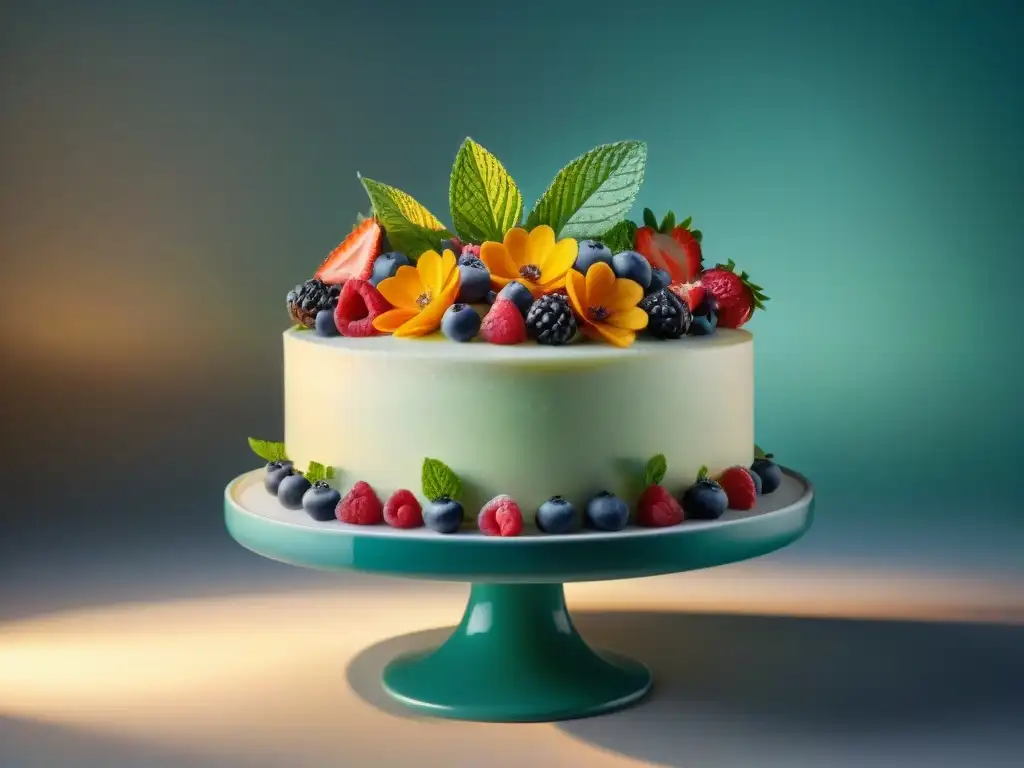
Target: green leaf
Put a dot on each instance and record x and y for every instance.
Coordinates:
(301, 328)
(439, 480)
(593, 192)
(758, 453)
(411, 228)
(620, 237)
(649, 219)
(484, 200)
(702, 474)
(267, 449)
(316, 472)
(668, 223)
(686, 222)
(697, 235)
(655, 471)
(329, 473)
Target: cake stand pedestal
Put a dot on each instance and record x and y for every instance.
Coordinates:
(515, 656)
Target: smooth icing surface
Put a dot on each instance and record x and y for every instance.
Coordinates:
(529, 421)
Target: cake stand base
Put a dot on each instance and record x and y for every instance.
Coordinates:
(515, 657)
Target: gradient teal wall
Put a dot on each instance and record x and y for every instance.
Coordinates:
(169, 170)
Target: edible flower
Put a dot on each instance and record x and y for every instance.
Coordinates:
(606, 305)
(420, 295)
(531, 258)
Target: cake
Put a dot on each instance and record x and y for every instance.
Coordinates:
(571, 370)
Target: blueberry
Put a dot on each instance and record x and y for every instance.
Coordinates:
(769, 472)
(276, 472)
(519, 294)
(321, 501)
(705, 500)
(607, 512)
(591, 252)
(758, 483)
(703, 325)
(474, 280)
(632, 266)
(460, 322)
(660, 279)
(291, 490)
(556, 515)
(386, 265)
(490, 297)
(325, 325)
(443, 515)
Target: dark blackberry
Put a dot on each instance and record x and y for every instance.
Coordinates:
(305, 300)
(668, 317)
(550, 320)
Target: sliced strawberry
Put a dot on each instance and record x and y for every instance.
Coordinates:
(353, 258)
(670, 247)
(691, 293)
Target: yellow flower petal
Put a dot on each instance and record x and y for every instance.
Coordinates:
(402, 289)
(576, 288)
(558, 260)
(429, 267)
(449, 268)
(498, 261)
(600, 285)
(623, 295)
(620, 337)
(393, 319)
(540, 244)
(429, 319)
(517, 245)
(632, 319)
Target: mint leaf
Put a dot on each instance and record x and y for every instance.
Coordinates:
(439, 480)
(329, 473)
(593, 192)
(315, 472)
(620, 237)
(655, 470)
(267, 450)
(411, 228)
(485, 202)
(702, 474)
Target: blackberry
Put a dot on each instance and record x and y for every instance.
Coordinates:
(550, 320)
(668, 317)
(305, 300)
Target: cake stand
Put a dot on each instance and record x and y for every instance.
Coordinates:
(515, 656)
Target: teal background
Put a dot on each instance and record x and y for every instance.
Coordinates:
(169, 170)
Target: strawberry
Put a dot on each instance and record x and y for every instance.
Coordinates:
(676, 249)
(739, 488)
(353, 258)
(503, 323)
(737, 296)
(657, 508)
(692, 293)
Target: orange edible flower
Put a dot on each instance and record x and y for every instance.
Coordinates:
(531, 258)
(420, 295)
(606, 305)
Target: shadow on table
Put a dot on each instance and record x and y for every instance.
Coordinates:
(736, 689)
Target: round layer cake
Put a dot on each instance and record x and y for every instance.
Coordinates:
(529, 421)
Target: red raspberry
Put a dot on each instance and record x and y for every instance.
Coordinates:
(739, 488)
(359, 303)
(471, 250)
(403, 510)
(503, 324)
(501, 516)
(657, 508)
(360, 506)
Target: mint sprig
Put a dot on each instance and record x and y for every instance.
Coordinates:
(268, 450)
(317, 472)
(655, 470)
(620, 237)
(758, 453)
(593, 192)
(411, 228)
(702, 474)
(484, 200)
(440, 481)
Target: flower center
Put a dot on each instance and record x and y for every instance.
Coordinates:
(530, 272)
(599, 313)
(423, 299)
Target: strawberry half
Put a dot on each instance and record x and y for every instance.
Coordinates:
(691, 293)
(737, 296)
(676, 249)
(353, 258)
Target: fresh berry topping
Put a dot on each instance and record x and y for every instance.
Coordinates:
(276, 472)
(403, 510)
(657, 508)
(305, 301)
(703, 325)
(693, 294)
(632, 266)
(518, 294)
(360, 506)
(705, 499)
(551, 320)
(358, 305)
(291, 489)
(354, 256)
(758, 483)
(386, 265)
(660, 280)
(590, 252)
(443, 515)
(607, 512)
(454, 245)
(474, 280)
(503, 324)
(675, 249)
(470, 250)
(460, 322)
(667, 316)
(321, 501)
(491, 296)
(556, 515)
(325, 325)
(737, 296)
(739, 488)
(770, 472)
(500, 517)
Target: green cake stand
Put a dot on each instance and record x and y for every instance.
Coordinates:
(516, 656)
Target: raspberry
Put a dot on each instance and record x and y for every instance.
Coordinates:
(503, 324)
(360, 506)
(359, 303)
(470, 250)
(657, 508)
(739, 488)
(403, 510)
(551, 320)
(501, 517)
